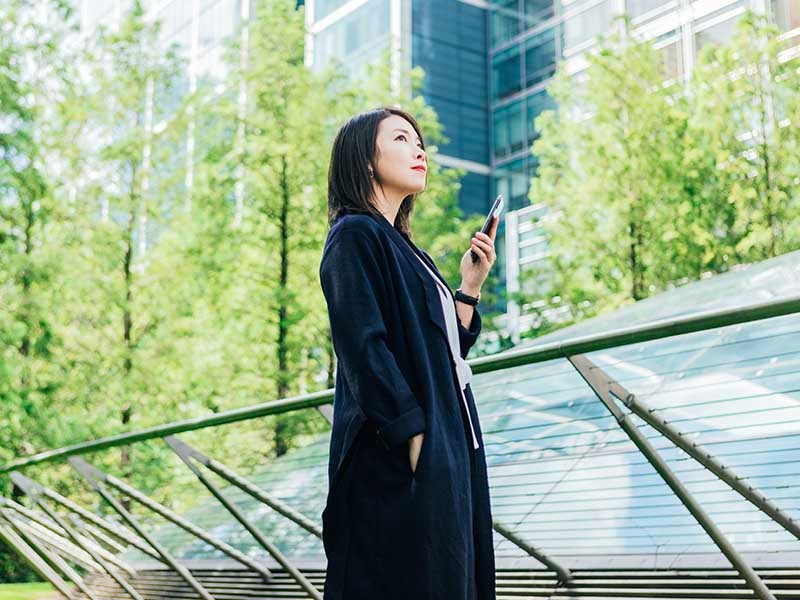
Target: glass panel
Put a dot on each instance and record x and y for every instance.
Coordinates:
(787, 14)
(505, 20)
(506, 76)
(540, 57)
(637, 8)
(586, 25)
(218, 22)
(508, 129)
(357, 38)
(715, 34)
(672, 56)
(536, 104)
(511, 180)
(537, 11)
(323, 8)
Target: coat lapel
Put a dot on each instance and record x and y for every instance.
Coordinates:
(431, 292)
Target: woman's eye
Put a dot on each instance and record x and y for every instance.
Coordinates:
(404, 138)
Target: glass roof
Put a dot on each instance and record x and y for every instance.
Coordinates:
(567, 479)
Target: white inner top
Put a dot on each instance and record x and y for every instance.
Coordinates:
(463, 370)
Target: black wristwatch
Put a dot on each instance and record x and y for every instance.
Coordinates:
(467, 299)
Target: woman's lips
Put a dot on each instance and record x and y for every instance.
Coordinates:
(420, 169)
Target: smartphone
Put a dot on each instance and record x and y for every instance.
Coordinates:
(497, 208)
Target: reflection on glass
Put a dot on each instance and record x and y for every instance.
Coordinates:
(506, 75)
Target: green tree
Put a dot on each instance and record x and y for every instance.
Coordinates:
(610, 158)
(110, 313)
(31, 83)
(745, 100)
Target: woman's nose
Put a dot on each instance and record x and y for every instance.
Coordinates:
(420, 153)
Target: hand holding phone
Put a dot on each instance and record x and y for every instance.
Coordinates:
(497, 207)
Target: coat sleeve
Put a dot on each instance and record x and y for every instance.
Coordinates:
(468, 335)
(353, 284)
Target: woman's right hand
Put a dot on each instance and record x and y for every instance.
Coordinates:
(414, 448)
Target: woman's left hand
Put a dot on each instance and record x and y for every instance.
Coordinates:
(473, 274)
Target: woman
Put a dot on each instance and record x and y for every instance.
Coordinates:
(407, 514)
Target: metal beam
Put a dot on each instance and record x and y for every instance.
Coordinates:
(186, 453)
(53, 558)
(87, 472)
(118, 531)
(564, 574)
(502, 360)
(10, 537)
(35, 492)
(109, 556)
(51, 528)
(256, 492)
(599, 381)
(102, 538)
(176, 519)
(46, 536)
(705, 458)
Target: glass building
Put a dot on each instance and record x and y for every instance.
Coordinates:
(449, 40)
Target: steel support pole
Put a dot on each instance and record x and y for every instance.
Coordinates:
(85, 470)
(102, 537)
(564, 574)
(249, 487)
(170, 516)
(64, 549)
(118, 531)
(600, 384)
(187, 454)
(35, 493)
(54, 558)
(52, 540)
(109, 556)
(10, 537)
(54, 530)
(705, 458)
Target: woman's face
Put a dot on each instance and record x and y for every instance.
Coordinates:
(401, 164)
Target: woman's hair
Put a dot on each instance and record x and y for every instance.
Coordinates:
(354, 153)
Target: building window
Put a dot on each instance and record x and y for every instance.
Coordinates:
(537, 11)
(506, 72)
(511, 180)
(636, 8)
(715, 34)
(505, 21)
(672, 60)
(540, 57)
(536, 104)
(786, 14)
(322, 8)
(585, 25)
(508, 129)
(356, 38)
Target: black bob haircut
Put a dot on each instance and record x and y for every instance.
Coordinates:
(354, 153)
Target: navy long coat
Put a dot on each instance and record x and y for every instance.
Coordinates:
(390, 532)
